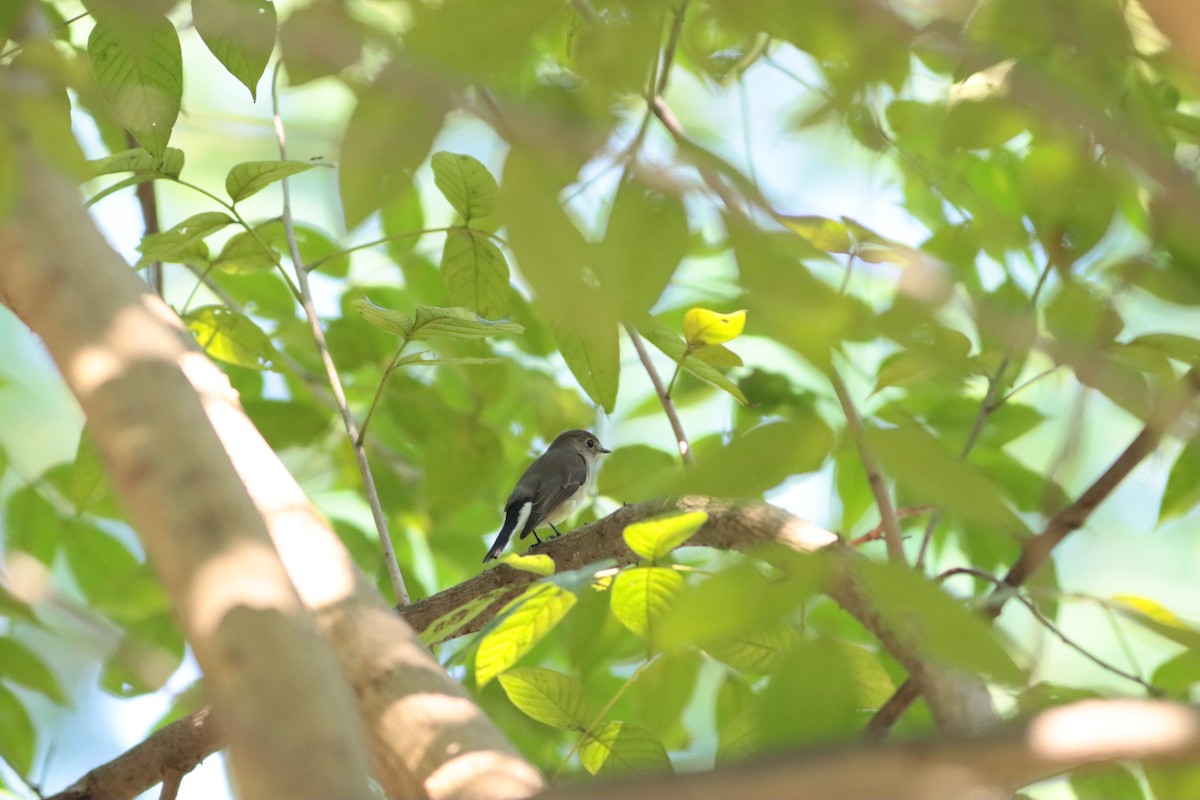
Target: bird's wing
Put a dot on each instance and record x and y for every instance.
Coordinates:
(558, 478)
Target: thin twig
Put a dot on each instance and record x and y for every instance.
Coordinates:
(335, 383)
(877, 532)
(887, 511)
(664, 72)
(991, 402)
(1049, 625)
(1037, 549)
(685, 450)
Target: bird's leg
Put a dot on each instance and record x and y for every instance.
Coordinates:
(557, 532)
(539, 539)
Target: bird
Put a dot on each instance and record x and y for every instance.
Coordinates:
(551, 489)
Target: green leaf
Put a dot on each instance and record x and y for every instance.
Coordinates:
(240, 33)
(17, 745)
(655, 538)
(1106, 783)
(139, 69)
(447, 626)
(231, 337)
(757, 650)
(10, 177)
(475, 272)
(466, 183)
(646, 238)
(937, 624)
(32, 525)
(385, 319)
(537, 564)
(531, 616)
(642, 595)
(148, 655)
(1183, 484)
(592, 350)
(245, 253)
(756, 461)
(179, 243)
(622, 748)
(139, 159)
(430, 321)
(811, 697)
(250, 177)
(457, 323)
(547, 696)
(674, 346)
(421, 360)
(387, 138)
(632, 473)
(21, 665)
(920, 464)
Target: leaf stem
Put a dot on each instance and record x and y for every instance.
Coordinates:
(617, 695)
(362, 432)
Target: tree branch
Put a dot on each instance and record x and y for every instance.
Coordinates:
(130, 363)
(155, 403)
(1064, 738)
(178, 747)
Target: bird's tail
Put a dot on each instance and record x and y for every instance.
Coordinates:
(514, 516)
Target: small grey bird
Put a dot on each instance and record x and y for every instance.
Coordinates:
(553, 487)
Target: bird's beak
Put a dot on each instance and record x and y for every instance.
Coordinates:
(603, 451)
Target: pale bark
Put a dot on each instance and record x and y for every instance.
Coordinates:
(168, 426)
(144, 388)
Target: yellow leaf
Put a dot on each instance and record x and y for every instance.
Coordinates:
(701, 326)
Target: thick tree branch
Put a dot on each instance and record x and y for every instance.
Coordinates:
(154, 403)
(1064, 738)
(131, 365)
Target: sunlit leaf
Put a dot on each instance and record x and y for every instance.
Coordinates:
(1156, 617)
(447, 626)
(537, 564)
(531, 616)
(430, 321)
(642, 595)
(622, 748)
(822, 233)
(229, 336)
(670, 343)
(547, 696)
(653, 539)
(701, 326)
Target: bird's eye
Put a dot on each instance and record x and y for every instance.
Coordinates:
(591, 443)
